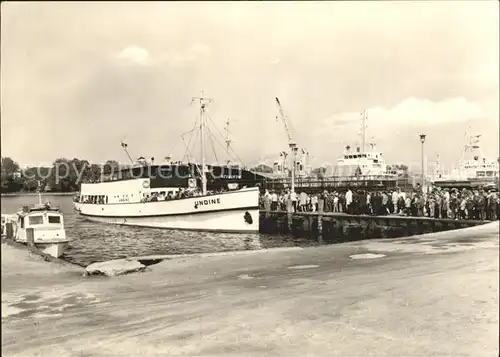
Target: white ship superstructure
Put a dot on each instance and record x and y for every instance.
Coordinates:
(362, 161)
(474, 166)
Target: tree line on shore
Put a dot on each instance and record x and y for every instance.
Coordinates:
(64, 175)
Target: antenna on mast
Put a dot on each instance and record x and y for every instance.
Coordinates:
(124, 146)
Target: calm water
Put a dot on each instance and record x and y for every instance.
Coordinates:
(94, 242)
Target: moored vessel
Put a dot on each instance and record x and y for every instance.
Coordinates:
(474, 170)
(360, 168)
(176, 196)
(41, 225)
(47, 222)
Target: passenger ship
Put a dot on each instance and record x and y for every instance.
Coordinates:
(176, 196)
(362, 162)
(368, 164)
(474, 169)
(363, 167)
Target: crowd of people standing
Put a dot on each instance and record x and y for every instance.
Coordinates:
(476, 204)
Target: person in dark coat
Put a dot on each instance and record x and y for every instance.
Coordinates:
(420, 205)
(469, 206)
(376, 203)
(363, 209)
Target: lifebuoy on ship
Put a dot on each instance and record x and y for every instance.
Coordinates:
(145, 184)
(248, 218)
(192, 183)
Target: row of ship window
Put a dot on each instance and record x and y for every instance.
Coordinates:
(487, 173)
(34, 220)
(103, 199)
(358, 156)
(94, 199)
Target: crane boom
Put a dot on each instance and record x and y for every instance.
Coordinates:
(285, 122)
(291, 143)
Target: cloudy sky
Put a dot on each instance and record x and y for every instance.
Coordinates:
(77, 78)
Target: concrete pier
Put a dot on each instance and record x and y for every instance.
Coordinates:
(424, 296)
(343, 227)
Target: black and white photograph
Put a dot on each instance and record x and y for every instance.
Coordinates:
(250, 178)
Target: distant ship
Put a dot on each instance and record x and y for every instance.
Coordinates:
(186, 196)
(362, 162)
(474, 169)
(363, 167)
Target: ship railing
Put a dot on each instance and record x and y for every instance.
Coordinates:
(341, 178)
(339, 181)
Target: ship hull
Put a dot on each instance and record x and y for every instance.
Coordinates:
(235, 211)
(225, 221)
(53, 249)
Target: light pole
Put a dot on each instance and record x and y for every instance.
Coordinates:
(422, 140)
(293, 148)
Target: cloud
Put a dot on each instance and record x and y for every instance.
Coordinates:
(185, 56)
(134, 55)
(395, 129)
(414, 112)
(199, 50)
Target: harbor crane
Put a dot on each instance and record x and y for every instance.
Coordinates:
(291, 143)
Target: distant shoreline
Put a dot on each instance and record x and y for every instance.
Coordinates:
(19, 194)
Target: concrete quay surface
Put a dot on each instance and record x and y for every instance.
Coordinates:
(425, 296)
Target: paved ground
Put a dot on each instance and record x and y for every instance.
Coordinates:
(432, 295)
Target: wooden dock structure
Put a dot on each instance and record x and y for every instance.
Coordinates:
(343, 227)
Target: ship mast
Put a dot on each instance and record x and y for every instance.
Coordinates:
(228, 140)
(363, 130)
(472, 144)
(438, 166)
(203, 102)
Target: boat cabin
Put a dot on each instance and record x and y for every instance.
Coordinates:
(47, 223)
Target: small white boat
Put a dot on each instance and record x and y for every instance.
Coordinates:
(47, 222)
